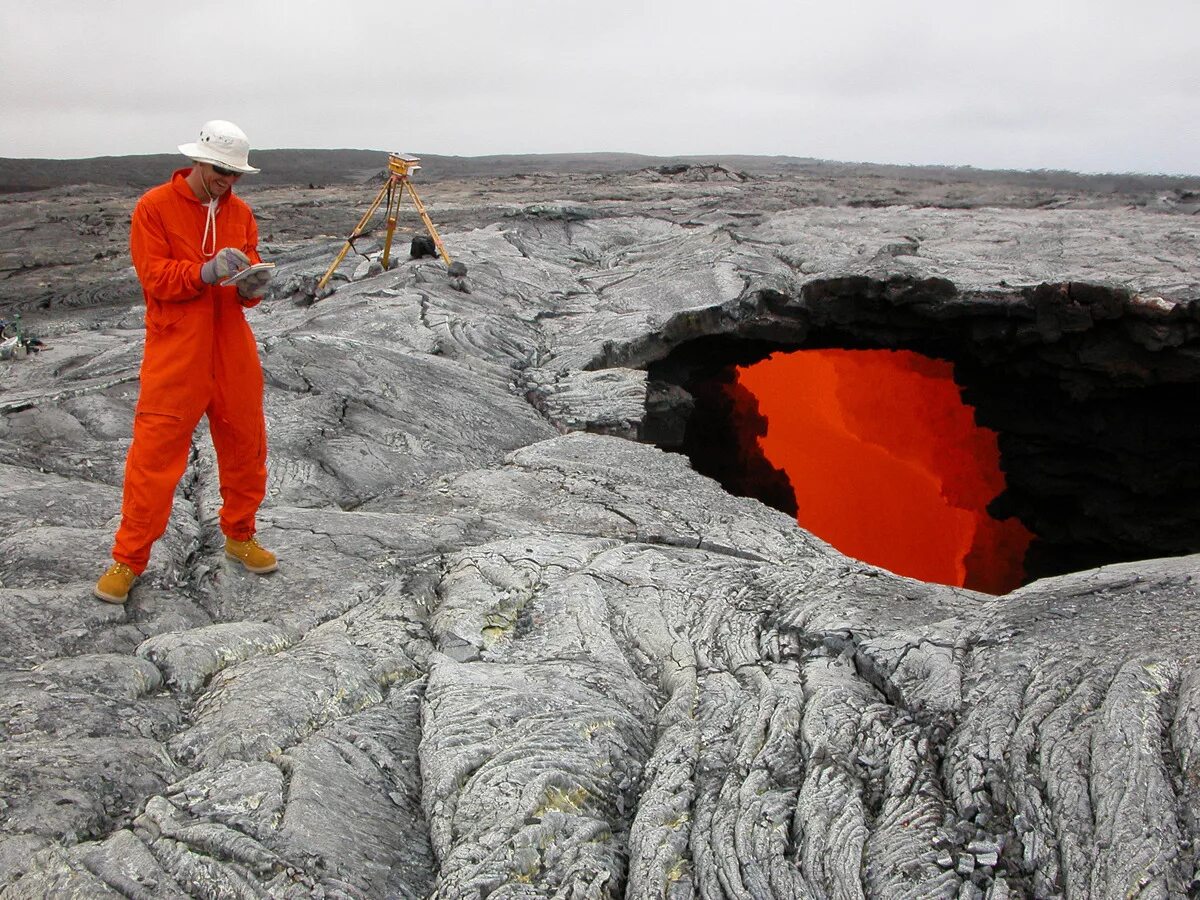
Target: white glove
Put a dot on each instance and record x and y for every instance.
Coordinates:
(228, 261)
(255, 284)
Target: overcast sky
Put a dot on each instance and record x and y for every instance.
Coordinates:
(1089, 85)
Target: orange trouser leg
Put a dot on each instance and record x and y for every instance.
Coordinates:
(239, 435)
(153, 467)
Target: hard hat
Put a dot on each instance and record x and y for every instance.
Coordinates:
(221, 144)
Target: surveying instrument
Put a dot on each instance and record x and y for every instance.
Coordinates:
(400, 166)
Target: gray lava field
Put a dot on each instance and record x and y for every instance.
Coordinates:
(518, 646)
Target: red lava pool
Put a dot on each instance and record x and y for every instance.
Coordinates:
(888, 465)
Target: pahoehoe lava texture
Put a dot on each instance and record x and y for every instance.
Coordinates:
(513, 652)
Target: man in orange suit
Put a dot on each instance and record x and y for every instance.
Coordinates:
(188, 236)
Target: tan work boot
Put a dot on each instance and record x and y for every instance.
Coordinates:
(251, 555)
(114, 585)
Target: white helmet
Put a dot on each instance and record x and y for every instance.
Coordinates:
(221, 144)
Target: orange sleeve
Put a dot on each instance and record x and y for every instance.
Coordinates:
(251, 250)
(162, 277)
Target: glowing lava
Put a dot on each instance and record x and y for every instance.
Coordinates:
(887, 463)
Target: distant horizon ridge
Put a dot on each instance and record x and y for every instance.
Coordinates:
(324, 166)
(628, 154)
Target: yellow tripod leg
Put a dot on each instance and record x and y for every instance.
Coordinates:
(353, 235)
(392, 209)
(428, 224)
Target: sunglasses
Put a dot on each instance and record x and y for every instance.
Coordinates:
(226, 173)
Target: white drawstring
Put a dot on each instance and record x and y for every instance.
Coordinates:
(210, 224)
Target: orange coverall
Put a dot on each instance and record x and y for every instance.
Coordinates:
(200, 358)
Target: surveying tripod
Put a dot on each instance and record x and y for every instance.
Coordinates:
(399, 168)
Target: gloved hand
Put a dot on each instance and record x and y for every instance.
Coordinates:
(228, 261)
(254, 285)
